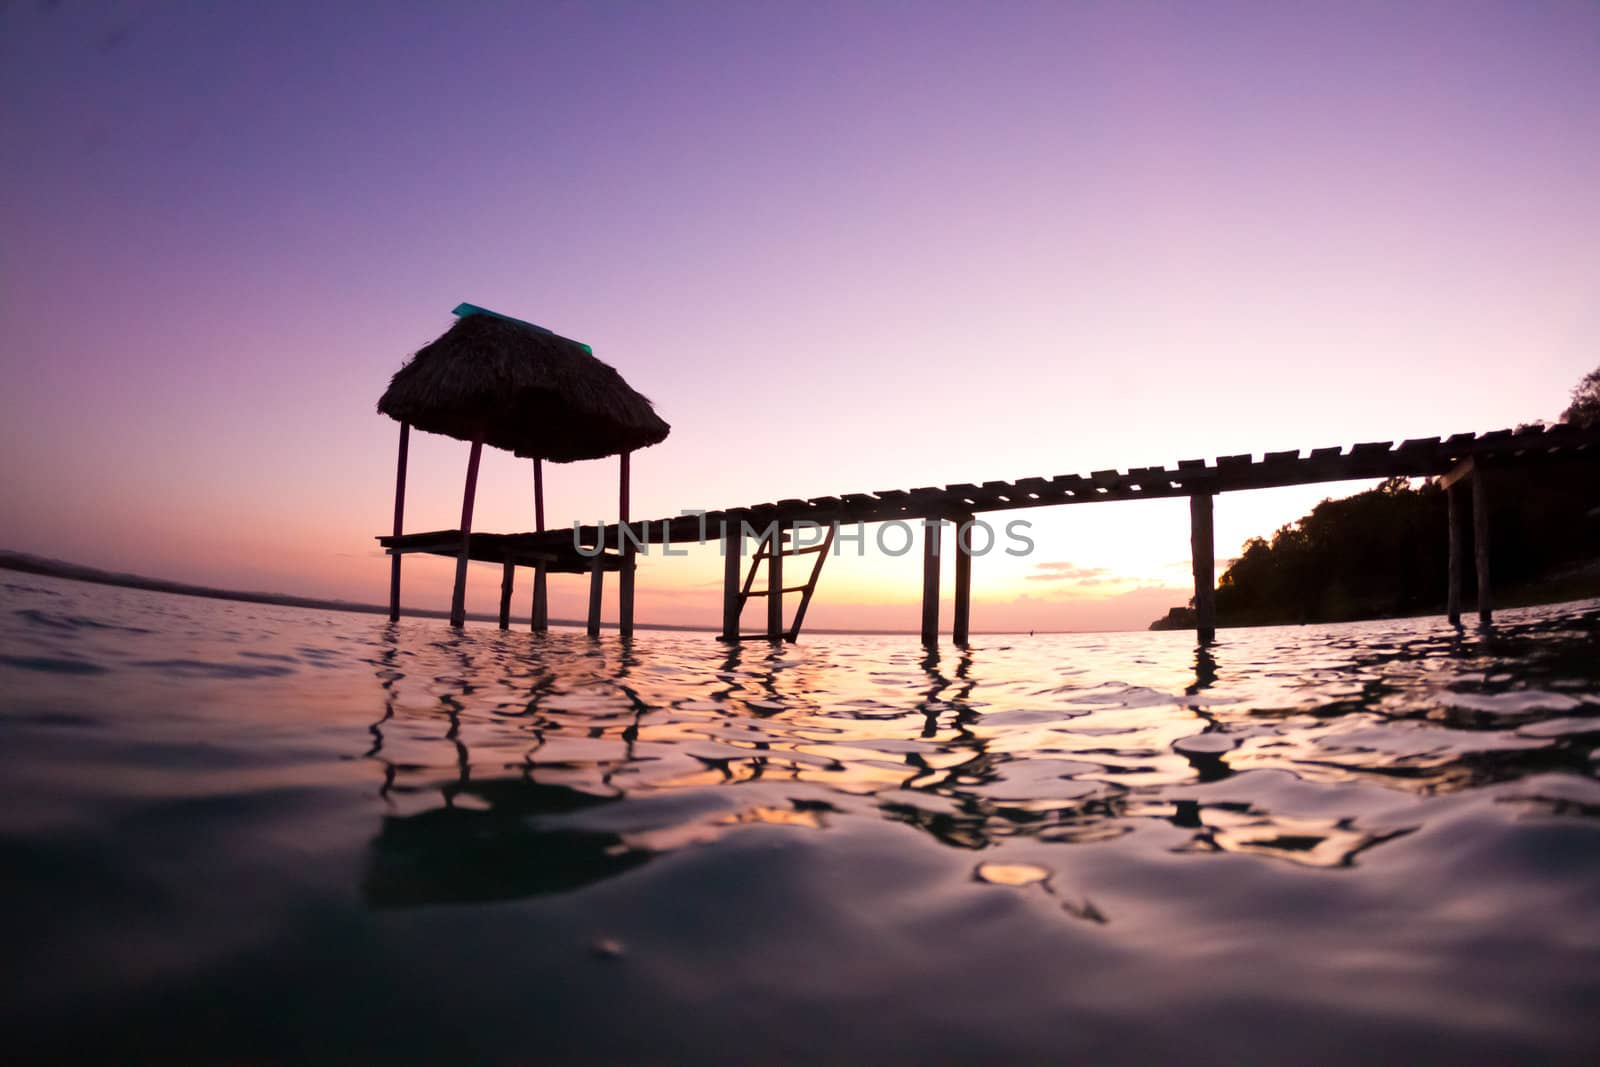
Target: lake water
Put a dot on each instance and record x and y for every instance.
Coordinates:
(245, 833)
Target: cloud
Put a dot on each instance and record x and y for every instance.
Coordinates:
(1185, 566)
(1063, 571)
(1131, 610)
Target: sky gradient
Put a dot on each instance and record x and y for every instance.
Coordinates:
(842, 247)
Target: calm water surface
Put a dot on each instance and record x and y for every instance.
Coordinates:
(245, 833)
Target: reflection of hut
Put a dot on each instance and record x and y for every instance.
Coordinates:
(452, 855)
(513, 385)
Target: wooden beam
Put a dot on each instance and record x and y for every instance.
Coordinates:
(732, 546)
(810, 588)
(963, 607)
(540, 615)
(508, 576)
(625, 576)
(775, 583)
(930, 583)
(399, 520)
(597, 578)
(1460, 471)
(1480, 542)
(1204, 556)
(1452, 496)
(458, 601)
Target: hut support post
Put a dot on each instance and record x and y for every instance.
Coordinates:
(775, 583)
(1205, 567)
(597, 580)
(1453, 589)
(732, 549)
(930, 582)
(626, 548)
(458, 602)
(1480, 542)
(507, 577)
(540, 616)
(399, 520)
(963, 606)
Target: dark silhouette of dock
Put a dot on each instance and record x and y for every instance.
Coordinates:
(1457, 461)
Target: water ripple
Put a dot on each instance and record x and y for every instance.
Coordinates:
(1404, 803)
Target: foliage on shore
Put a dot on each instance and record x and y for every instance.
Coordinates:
(1384, 552)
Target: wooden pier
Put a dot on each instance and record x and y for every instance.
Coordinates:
(1457, 461)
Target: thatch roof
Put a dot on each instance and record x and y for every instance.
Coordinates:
(526, 390)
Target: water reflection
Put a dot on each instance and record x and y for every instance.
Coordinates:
(491, 848)
(498, 750)
(842, 837)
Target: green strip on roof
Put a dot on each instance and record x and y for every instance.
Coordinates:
(463, 310)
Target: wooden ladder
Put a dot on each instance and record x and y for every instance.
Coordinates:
(765, 553)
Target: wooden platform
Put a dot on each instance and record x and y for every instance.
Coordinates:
(1426, 457)
(1450, 459)
(553, 548)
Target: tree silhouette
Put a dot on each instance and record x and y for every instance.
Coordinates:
(1383, 552)
(1585, 407)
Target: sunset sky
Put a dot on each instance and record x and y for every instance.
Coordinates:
(842, 247)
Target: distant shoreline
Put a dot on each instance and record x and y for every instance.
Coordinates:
(25, 563)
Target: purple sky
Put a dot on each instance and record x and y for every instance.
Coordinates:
(843, 247)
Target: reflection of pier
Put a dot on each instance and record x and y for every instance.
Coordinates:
(522, 816)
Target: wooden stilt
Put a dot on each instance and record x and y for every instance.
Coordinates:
(540, 615)
(732, 549)
(1205, 567)
(963, 606)
(597, 581)
(775, 585)
(625, 593)
(930, 583)
(541, 602)
(507, 578)
(538, 495)
(399, 520)
(625, 576)
(1480, 542)
(458, 602)
(1453, 589)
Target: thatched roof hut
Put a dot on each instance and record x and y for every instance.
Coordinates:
(521, 388)
(498, 381)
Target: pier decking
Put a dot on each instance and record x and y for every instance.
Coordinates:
(1456, 461)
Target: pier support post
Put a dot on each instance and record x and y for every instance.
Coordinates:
(1480, 542)
(775, 583)
(1452, 608)
(626, 548)
(963, 605)
(399, 520)
(1205, 567)
(732, 548)
(930, 582)
(541, 602)
(458, 602)
(507, 578)
(540, 615)
(597, 580)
